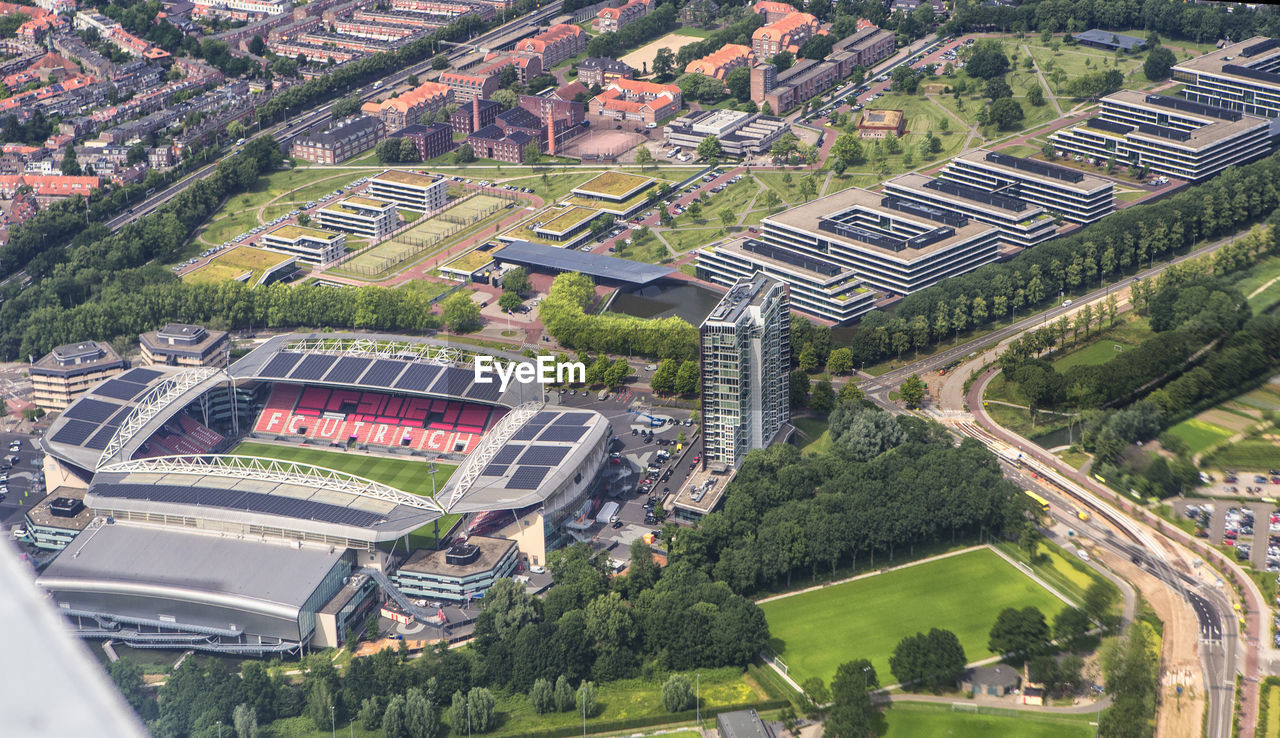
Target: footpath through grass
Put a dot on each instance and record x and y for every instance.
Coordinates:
(816, 631)
(915, 719)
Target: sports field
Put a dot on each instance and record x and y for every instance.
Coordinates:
(409, 475)
(910, 720)
(426, 235)
(817, 631)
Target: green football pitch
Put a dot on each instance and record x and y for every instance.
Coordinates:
(817, 631)
(911, 720)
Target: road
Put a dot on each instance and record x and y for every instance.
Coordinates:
(303, 122)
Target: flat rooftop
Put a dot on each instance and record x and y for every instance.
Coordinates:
(295, 232)
(806, 218)
(600, 266)
(613, 185)
(89, 355)
(997, 204)
(880, 119)
(433, 562)
(805, 268)
(1233, 55)
(566, 219)
(740, 297)
(401, 177)
(359, 202)
(43, 516)
(142, 558)
(1212, 130)
(1084, 183)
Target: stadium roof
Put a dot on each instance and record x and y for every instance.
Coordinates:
(530, 453)
(254, 575)
(243, 490)
(600, 266)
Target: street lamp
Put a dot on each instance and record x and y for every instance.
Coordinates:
(333, 722)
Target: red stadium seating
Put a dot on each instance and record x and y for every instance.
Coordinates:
(352, 416)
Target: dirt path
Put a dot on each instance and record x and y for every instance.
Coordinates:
(1180, 664)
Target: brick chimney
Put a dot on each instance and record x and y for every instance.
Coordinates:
(551, 133)
(475, 113)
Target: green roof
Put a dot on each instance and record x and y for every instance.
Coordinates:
(294, 232)
(613, 185)
(566, 219)
(471, 261)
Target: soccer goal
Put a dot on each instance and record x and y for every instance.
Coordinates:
(964, 707)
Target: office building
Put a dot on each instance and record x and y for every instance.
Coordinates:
(720, 62)
(601, 70)
(819, 288)
(410, 190)
(739, 133)
(612, 20)
(432, 140)
(468, 86)
(348, 138)
(179, 344)
(1173, 136)
(1078, 197)
(648, 102)
(554, 45)
(460, 573)
(311, 245)
(1244, 76)
(1110, 41)
(474, 115)
(68, 371)
(890, 243)
(492, 142)
(408, 109)
(745, 358)
(787, 34)
(362, 217)
(1020, 223)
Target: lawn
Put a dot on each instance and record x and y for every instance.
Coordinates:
(913, 719)
(683, 239)
(409, 475)
(816, 438)
(816, 631)
(1250, 454)
(786, 184)
(1199, 435)
(922, 116)
(234, 263)
(557, 185)
(1098, 352)
(1273, 710)
(1075, 61)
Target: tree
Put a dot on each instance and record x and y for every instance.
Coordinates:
(852, 715)
(997, 88)
(1019, 633)
(727, 216)
(782, 60)
(532, 152)
(509, 301)
(1035, 96)
(346, 106)
(304, 219)
(617, 374)
(586, 698)
(1005, 113)
(516, 280)
(799, 388)
(388, 150)
(847, 150)
(127, 675)
(695, 208)
(565, 695)
(440, 61)
(822, 398)
(421, 720)
(709, 148)
(934, 662)
(1158, 63)
(409, 151)
(686, 382)
(461, 313)
(840, 361)
(738, 80)
(393, 724)
(664, 64)
(464, 154)
(987, 60)
(1070, 625)
(542, 697)
(677, 692)
(663, 381)
(644, 157)
(480, 709)
(70, 166)
(849, 391)
(808, 359)
(244, 719)
(912, 391)
(1098, 599)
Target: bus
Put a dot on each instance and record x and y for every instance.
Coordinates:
(1039, 501)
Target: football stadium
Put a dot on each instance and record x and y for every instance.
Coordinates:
(188, 544)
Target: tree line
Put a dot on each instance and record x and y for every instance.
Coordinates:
(563, 314)
(887, 484)
(1119, 244)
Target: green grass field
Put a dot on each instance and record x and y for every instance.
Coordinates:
(1250, 455)
(1199, 435)
(816, 631)
(1098, 352)
(1273, 710)
(912, 720)
(409, 475)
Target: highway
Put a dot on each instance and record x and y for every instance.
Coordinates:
(287, 130)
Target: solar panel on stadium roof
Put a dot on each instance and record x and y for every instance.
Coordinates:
(573, 419)
(507, 454)
(119, 417)
(418, 377)
(495, 470)
(543, 417)
(74, 432)
(312, 368)
(453, 381)
(141, 376)
(118, 389)
(527, 477)
(487, 392)
(383, 373)
(94, 411)
(347, 369)
(563, 433)
(526, 433)
(102, 437)
(543, 455)
(280, 365)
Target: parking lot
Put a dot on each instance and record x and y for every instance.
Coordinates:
(22, 484)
